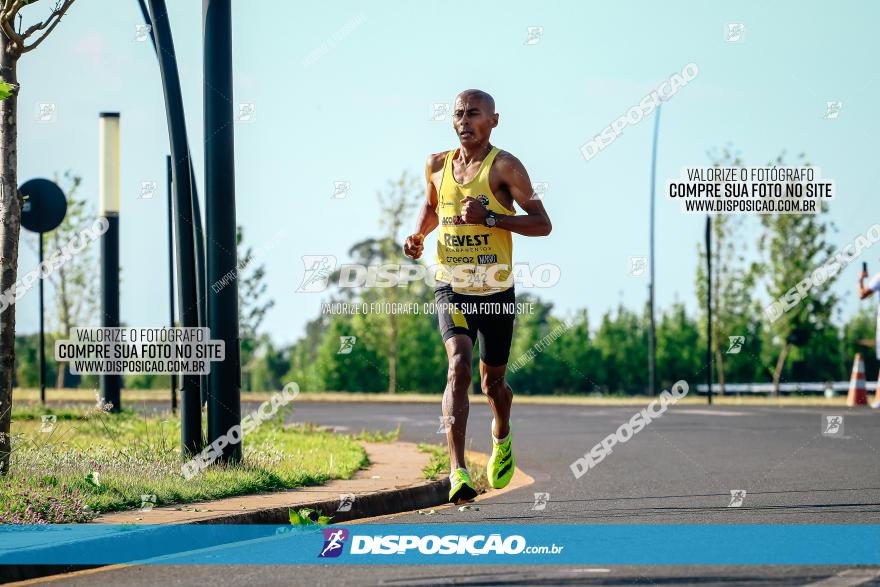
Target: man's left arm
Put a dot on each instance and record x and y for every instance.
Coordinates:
(535, 221)
(873, 285)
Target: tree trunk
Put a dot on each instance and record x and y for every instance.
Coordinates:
(65, 312)
(719, 359)
(10, 226)
(392, 356)
(780, 364)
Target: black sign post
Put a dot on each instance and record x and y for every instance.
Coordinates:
(43, 210)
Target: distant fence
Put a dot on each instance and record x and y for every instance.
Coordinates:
(734, 388)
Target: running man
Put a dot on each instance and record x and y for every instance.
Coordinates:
(470, 195)
(866, 292)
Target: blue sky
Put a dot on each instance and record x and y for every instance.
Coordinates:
(344, 91)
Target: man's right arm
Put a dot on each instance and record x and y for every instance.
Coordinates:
(428, 220)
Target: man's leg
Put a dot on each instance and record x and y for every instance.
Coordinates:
(456, 405)
(500, 396)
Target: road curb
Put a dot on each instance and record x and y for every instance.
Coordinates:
(425, 494)
(394, 501)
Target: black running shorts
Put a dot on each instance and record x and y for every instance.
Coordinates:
(489, 318)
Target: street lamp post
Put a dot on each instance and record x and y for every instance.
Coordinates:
(186, 216)
(709, 307)
(108, 198)
(652, 331)
(224, 382)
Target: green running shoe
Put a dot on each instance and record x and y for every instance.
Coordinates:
(501, 464)
(461, 488)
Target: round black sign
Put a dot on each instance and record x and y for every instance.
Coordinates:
(44, 205)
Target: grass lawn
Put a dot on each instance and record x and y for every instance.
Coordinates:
(88, 462)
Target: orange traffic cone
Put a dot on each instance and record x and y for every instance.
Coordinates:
(858, 391)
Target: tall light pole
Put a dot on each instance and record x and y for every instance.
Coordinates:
(108, 199)
(652, 331)
(185, 216)
(174, 105)
(224, 382)
(169, 182)
(709, 307)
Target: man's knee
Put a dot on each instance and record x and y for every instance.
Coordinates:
(459, 370)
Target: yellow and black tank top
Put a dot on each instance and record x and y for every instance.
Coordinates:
(475, 259)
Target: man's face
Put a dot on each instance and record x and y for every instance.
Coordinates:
(473, 120)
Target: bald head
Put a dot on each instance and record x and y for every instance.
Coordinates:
(480, 97)
(473, 118)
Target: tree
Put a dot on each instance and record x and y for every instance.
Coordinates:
(13, 44)
(269, 366)
(73, 281)
(732, 279)
(253, 306)
(303, 354)
(622, 342)
(382, 330)
(678, 346)
(794, 245)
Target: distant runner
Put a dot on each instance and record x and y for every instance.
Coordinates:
(470, 194)
(865, 292)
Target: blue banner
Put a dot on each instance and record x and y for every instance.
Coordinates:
(619, 544)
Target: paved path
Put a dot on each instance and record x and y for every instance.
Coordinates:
(679, 469)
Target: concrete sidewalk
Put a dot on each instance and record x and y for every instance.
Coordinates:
(393, 482)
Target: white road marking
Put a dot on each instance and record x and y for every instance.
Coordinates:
(848, 578)
(697, 412)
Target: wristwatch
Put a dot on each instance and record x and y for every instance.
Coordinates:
(491, 219)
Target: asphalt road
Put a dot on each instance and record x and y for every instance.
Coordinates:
(680, 469)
